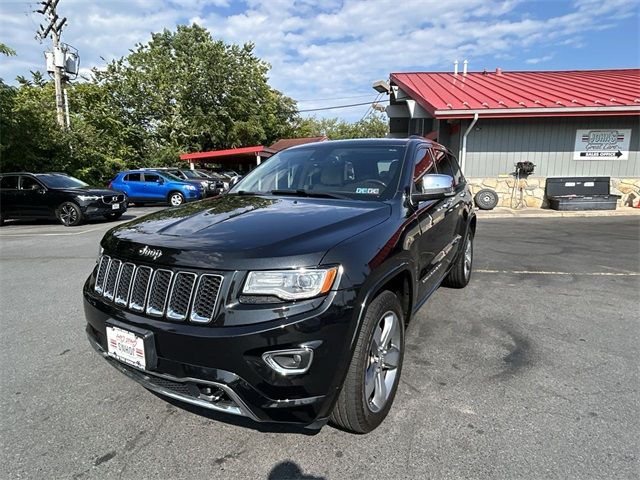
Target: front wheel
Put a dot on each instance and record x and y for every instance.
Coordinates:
(460, 273)
(176, 199)
(370, 387)
(69, 214)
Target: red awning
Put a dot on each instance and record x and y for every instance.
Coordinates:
(231, 155)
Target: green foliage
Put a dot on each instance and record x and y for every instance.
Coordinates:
(372, 126)
(182, 91)
(6, 50)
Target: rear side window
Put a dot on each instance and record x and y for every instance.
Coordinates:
(9, 183)
(28, 183)
(133, 177)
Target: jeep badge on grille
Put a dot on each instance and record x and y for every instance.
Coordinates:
(150, 252)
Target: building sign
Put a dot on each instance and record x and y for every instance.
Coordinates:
(602, 144)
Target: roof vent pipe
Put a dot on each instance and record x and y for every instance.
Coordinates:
(464, 68)
(455, 67)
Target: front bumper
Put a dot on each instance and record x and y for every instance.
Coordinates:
(99, 208)
(220, 368)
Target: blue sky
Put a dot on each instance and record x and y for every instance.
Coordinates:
(326, 53)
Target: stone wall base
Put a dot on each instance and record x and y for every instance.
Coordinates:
(533, 190)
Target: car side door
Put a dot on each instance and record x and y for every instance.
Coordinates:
(451, 212)
(33, 198)
(153, 185)
(431, 239)
(8, 195)
(132, 186)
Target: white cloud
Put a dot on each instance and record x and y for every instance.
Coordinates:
(331, 48)
(536, 60)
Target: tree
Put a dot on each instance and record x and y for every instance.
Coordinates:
(372, 126)
(190, 92)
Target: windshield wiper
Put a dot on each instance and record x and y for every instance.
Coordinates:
(299, 192)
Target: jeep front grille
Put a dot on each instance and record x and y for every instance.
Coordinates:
(158, 292)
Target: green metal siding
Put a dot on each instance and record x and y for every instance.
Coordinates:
(494, 145)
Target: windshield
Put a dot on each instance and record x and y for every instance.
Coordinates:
(191, 174)
(170, 176)
(60, 180)
(356, 172)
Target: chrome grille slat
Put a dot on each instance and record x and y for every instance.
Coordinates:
(140, 288)
(159, 292)
(181, 293)
(112, 278)
(206, 298)
(124, 283)
(102, 273)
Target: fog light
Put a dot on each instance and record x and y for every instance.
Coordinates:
(289, 362)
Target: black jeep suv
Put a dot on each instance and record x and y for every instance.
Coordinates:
(286, 299)
(56, 195)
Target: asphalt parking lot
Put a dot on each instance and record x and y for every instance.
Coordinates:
(530, 372)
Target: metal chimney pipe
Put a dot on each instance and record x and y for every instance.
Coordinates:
(455, 67)
(464, 68)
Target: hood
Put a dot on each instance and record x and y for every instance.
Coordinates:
(239, 232)
(89, 191)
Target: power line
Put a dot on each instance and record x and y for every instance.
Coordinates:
(334, 98)
(339, 106)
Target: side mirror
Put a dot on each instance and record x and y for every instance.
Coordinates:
(434, 187)
(160, 181)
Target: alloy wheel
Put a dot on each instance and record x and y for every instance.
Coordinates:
(384, 357)
(468, 257)
(68, 214)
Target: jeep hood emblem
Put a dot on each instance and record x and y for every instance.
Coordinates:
(150, 252)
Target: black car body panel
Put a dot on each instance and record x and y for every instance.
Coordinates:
(392, 244)
(42, 201)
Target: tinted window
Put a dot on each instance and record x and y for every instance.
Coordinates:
(424, 164)
(133, 177)
(362, 172)
(28, 183)
(60, 180)
(9, 183)
(151, 177)
(447, 165)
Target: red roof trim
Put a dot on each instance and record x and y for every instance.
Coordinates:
(223, 153)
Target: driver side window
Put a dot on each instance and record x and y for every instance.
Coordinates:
(28, 183)
(424, 164)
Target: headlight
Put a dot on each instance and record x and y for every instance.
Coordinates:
(87, 198)
(290, 284)
(191, 187)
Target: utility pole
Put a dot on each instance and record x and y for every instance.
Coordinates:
(54, 29)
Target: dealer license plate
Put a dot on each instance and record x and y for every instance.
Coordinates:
(115, 206)
(126, 346)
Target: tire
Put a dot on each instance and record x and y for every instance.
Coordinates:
(460, 273)
(176, 199)
(486, 199)
(69, 214)
(356, 409)
(113, 216)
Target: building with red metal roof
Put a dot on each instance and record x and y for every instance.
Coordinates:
(580, 123)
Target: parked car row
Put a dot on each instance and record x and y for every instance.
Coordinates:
(26, 195)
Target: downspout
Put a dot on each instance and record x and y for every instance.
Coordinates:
(463, 154)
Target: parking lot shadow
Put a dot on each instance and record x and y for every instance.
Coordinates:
(289, 470)
(238, 420)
